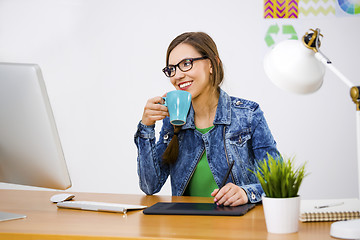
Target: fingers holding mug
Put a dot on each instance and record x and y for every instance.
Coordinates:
(154, 111)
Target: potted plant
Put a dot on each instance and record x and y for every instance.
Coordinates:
(280, 180)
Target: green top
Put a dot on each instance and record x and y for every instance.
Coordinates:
(202, 182)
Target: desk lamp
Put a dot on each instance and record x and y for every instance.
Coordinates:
(299, 66)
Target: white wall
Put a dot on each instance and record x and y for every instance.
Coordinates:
(102, 60)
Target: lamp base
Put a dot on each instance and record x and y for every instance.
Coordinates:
(346, 229)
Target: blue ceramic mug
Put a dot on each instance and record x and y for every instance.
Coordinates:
(178, 104)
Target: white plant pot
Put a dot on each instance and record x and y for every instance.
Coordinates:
(281, 214)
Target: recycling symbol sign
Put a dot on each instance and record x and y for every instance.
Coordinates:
(273, 32)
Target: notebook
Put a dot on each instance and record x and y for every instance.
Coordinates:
(329, 210)
(99, 206)
(177, 208)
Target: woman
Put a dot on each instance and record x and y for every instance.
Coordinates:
(219, 130)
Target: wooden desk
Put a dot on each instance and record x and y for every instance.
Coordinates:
(45, 221)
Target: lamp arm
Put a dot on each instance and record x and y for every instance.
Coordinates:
(319, 56)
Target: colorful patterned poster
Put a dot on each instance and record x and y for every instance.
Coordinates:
(348, 8)
(281, 8)
(317, 8)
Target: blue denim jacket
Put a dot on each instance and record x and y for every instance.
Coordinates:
(240, 132)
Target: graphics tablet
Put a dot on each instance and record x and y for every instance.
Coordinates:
(179, 208)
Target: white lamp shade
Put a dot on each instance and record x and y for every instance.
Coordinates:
(290, 65)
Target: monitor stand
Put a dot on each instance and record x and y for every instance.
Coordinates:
(4, 216)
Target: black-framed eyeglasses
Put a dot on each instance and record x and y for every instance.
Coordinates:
(184, 65)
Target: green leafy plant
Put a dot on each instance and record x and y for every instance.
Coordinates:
(279, 177)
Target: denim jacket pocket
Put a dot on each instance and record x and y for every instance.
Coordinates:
(240, 138)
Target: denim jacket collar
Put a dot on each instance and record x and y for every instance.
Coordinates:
(222, 116)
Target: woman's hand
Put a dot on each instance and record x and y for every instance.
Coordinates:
(230, 195)
(154, 111)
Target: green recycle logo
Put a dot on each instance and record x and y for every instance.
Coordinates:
(274, 30)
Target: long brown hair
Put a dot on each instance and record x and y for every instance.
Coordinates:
(206, 46)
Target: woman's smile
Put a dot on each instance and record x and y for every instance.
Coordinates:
(185, 85)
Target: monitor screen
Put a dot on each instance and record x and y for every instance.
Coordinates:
(30, 148)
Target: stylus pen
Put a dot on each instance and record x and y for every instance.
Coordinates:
(227, 175)
(225, 178)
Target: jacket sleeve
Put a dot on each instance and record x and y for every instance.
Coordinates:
(262, 143)
(152, 173)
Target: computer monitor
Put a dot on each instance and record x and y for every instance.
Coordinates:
(30, 148)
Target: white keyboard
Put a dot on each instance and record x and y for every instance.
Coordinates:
(99, 206)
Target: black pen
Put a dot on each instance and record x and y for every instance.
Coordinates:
(227, 175)
(225, 178)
